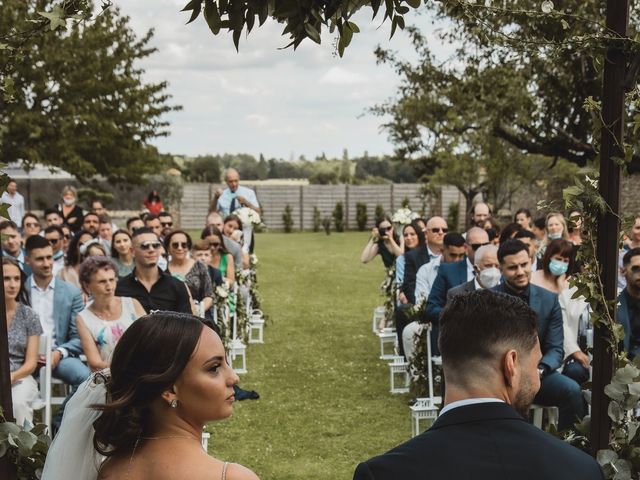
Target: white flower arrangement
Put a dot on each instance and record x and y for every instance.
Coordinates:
(248, 216)
(253, 259)
(404, 216)
(222, 291)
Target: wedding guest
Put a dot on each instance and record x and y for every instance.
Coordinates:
(539, 229)
(529, 239)
(91, 223)
(575, 227)
(556, 389)
(30, 225)
(509, 231)
(133, 224)
(169, 378)
(491, 382)
(153, 222)
(66, 237)
(413, 236)
(233, 224)
(23, 334)
(75, 253)
(492, 226)
(106, 317)
(555, 229)
(234, 248)
(628, 313)
(122, 252)
(57, 304)
(192, 272)
(383, 242)
(153, 203)
(487, 268)
(71, 213)
(151, 286)
(234, 196)
(105, 231)
(201, 251)
(166, 220)
(53, 217)
(15, 201)
(93, 248)
(220, 258)
(479, 214)
(633, 241)
(553, 276)
(523, 218)
(12, 244)
(55, 236)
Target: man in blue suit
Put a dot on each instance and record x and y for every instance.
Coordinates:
(628, 314)
(555, 388)
(57, 303)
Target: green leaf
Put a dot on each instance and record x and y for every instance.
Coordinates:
(354, 28)
(196, 11)
(312, 33)
(402, 9)
(236, 39)
(564, 23)
(56, 18)
(414, 3)
(212, 16)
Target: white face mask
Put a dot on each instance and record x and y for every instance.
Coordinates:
(555, 236)
(69, 201)
(490, 277)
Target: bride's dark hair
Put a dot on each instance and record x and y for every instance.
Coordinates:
(147, 360)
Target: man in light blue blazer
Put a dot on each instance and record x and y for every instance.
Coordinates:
(555, 389)
(57, 304)
(628, 313)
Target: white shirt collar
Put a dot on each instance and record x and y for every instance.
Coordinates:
(432, 255)
(51, 286)
(469, 401)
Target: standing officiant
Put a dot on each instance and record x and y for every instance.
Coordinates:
(233, 197)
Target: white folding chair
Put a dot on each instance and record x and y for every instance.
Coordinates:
(47, 382)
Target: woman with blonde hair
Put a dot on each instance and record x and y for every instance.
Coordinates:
(555, 229)
(68, 209)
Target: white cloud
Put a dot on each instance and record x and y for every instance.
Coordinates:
(306, 101)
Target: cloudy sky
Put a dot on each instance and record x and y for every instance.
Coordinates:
(281, 103)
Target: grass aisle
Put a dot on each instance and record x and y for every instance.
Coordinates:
(325, 403)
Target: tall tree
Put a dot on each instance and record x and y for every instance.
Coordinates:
(80, 102)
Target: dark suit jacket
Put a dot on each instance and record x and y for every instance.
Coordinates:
(413, 260)
(487, 441)
(449, 275)
(468, 287)
(622, 317)
(550, 331)
(67, 303)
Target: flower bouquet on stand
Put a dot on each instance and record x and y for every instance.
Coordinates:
(388, 289)
(249, 218)
(221, 311)
(402, 217)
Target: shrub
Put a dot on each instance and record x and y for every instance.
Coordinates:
(326, 223)
(361, 216)
(338, 217)
(379, 213)
(287, 218)
(453, 217)
(317, 219)
(405, 203)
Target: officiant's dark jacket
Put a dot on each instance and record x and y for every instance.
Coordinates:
(487, 441)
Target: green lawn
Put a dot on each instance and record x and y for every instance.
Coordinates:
(325, 403)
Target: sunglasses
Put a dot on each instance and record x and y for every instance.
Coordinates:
(476, 246)
(53, 241)
(216, 244)
(179, 245)
(438, 230)
(31, 225)
(149, 246)
(166, 224)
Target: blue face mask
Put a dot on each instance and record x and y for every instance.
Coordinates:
(557, 268)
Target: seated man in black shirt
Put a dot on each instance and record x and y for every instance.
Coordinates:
(153, 288)
(628, 314)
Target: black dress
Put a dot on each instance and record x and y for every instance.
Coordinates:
(76, 213)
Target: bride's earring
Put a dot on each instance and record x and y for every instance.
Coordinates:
(174, 403)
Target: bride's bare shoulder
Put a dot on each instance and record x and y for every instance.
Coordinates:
(239, 472)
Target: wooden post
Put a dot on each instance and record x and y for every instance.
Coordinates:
(6, 469)
(608, 223)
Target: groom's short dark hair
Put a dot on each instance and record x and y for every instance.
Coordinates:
(476, 327)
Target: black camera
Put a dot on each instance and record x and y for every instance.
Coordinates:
(382, 231)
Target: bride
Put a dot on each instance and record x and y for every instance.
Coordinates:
(143, 420)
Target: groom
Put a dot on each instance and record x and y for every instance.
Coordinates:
(491, 381)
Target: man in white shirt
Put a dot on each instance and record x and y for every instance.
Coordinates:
(235, 195)
(13, 198)
(57, 304)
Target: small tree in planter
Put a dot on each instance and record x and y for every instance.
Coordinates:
(287, 218)
(317, 219)
(326, 224)
(379, 213)
(361, 216)
(338, 217)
